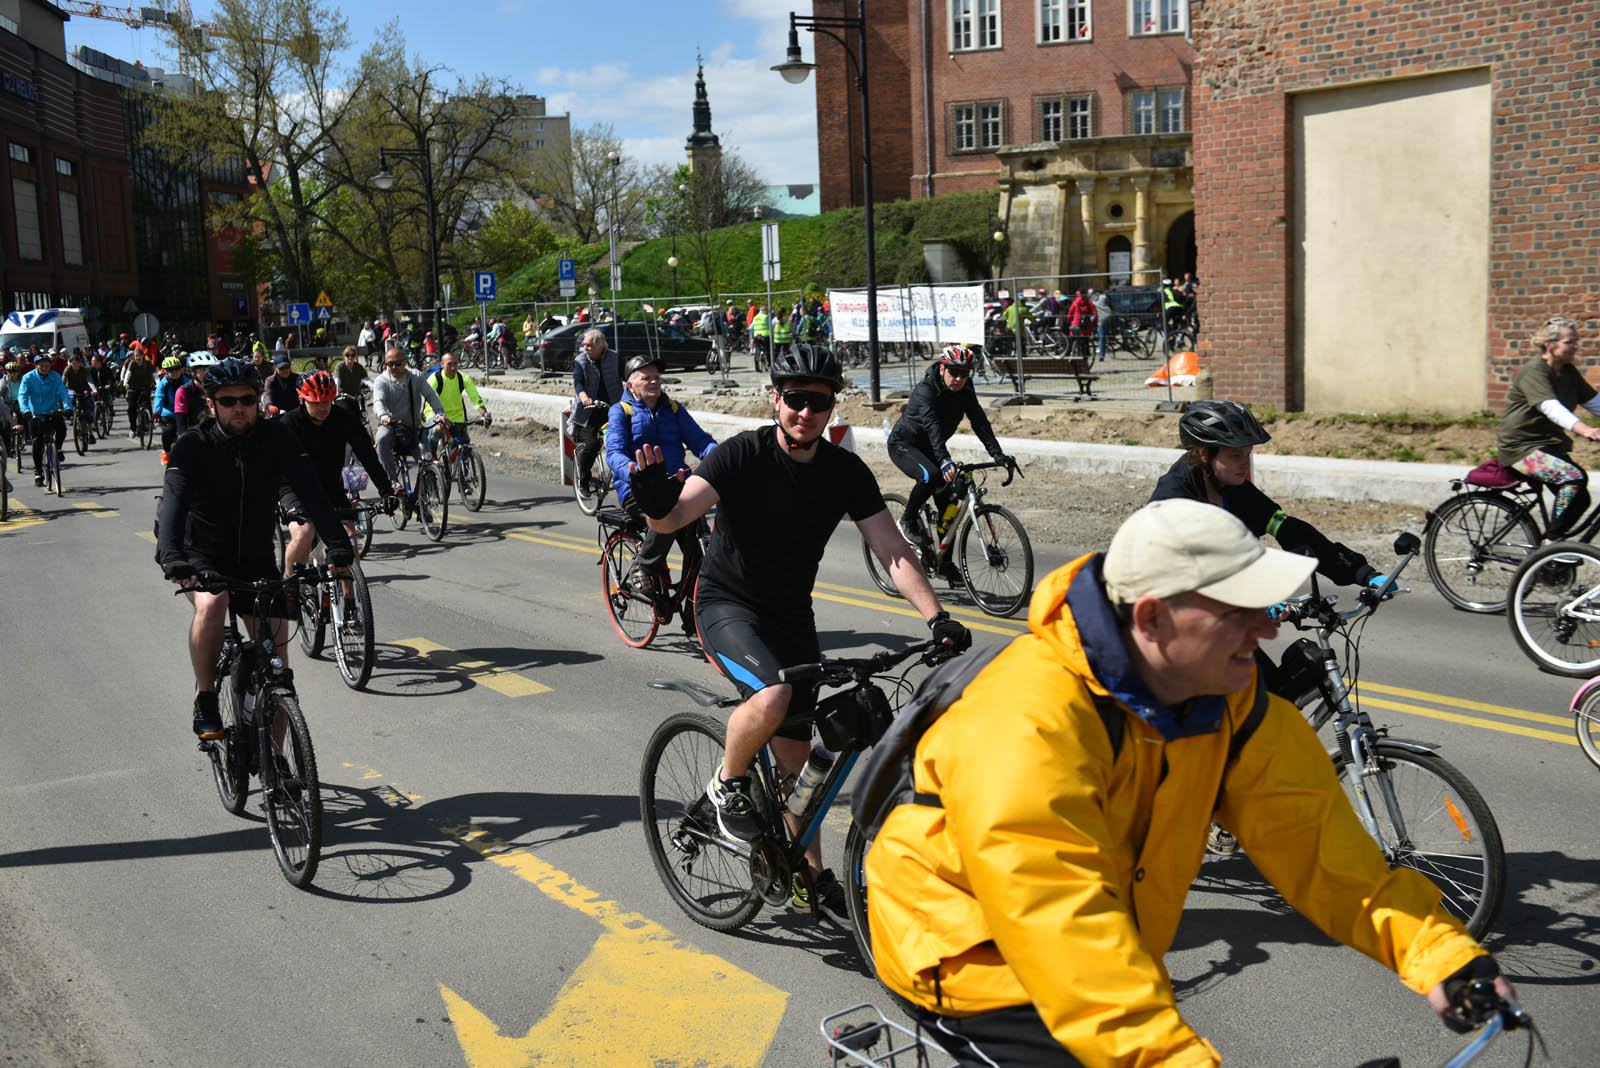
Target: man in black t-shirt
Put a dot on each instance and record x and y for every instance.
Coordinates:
(780, 491)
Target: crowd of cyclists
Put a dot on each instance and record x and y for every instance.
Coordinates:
(1025, 891)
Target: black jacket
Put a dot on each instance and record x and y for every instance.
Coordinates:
(1339, 562)
(282, 393)
(325, 445)
(219, 502)
(933, 413)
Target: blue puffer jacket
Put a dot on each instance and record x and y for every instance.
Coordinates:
(632, 425)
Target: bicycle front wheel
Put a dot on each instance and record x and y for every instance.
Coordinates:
(230, 761)
(707, 873)
(856, 844)
(1554, 610)
(312, 619)
(589, 503)
(633, 617)
(996, 560)
(1586, 722)
(52, 459)
(473, 480)
(293, 797)
(433, 511)
(875, 569)
(1431, 819)
(353, 642)
(363, 540)
(80, 435)
(1473, 547)
(146, 429)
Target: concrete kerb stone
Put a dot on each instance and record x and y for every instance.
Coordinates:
(1418, 485)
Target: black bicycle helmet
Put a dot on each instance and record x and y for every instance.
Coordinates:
(644, 359)
(1220, 424)
(807, 361)
(232, 372)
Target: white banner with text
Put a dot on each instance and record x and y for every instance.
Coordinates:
(938, 315)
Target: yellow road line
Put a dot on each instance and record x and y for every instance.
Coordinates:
(878, 598)
(1472, 721)
(21, 518)
(1462, 702)
(481, 672)
(889, 606)
(146, 535)
(96, 509)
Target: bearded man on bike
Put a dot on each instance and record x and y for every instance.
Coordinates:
(218, 515)
(1023, 901)
(780, 491)
(918, 443)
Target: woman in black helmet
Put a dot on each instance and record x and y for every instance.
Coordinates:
(1218, 436)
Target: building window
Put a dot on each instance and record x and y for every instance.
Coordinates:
(25, 197)
(20, 153)
(1051, 125)
(991, 124)
(538, 142)
(1169, 111)
(1157, 16)
(71, 229)
(1143, 113)
(1063, 20)
(963, 128)
(1078, 112)
(974, 24)
(66, 167)
(539, 125)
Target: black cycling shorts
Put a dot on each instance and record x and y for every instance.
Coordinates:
(290, 502)
(271, 605)
(750, 649)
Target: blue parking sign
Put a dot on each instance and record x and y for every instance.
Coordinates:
(241, 305)
(483, 285)
(567, 270)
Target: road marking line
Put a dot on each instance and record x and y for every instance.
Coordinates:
(146, 535)
(21, 518)
(889, 606)
(482, 672)
(96, 509)
(994, 624)
(1475, 706)
(1472, 721)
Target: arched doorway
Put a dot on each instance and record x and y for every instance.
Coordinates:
(1119, 261)
(1180, 246)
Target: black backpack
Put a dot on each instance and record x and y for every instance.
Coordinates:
(887, 781)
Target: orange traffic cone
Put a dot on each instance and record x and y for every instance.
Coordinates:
(163, 457)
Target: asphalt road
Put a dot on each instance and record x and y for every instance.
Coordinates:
(485, 897)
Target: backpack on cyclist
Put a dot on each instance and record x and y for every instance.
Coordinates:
(888, 782)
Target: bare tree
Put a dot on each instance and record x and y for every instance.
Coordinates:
(581, 185)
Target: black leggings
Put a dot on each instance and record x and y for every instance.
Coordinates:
(927, 481)
(1012, 1037)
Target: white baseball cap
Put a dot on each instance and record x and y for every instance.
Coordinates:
(1182, 546)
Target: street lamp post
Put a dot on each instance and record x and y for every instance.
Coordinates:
(615, 159)
(385, 182)
(795, 70)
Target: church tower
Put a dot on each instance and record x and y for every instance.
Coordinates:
(703, 147)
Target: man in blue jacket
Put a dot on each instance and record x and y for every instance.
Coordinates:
(45, 406)
(647, 416)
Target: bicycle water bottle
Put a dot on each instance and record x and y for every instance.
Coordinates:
(818, 764)
(949, 516)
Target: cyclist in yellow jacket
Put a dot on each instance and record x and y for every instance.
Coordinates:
(454, 389)
(1024, 901)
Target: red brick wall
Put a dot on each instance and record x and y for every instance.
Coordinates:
(1544, 170)
(890, 62)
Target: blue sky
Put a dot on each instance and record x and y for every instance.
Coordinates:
(627, 62)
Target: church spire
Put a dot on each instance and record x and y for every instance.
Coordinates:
(702, 137)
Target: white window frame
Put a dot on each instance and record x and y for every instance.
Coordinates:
(1059, 119)
(25, 201)
(1085, 103)
(956, 123)
(1151, 18)
(71, 228)
(1168, 101)
(1143, 101)
(1058, 16)
(1050, 19)
(988, 24)
(963, 25)
(999, 121)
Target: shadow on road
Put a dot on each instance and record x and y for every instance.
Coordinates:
(400, 671)
(1548, 932)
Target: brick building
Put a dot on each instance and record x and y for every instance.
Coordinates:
(66, 216)
(1391, 197)
(1078, 110)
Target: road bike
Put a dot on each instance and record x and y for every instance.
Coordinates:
(985, 542)
(854, 1034)
(260, 717)
(635, 614)
(327, 602)
(462, 466)
(1554, 608)
(721, 882)
(1476, 540)
(599, 482)
(423, 496)
(1423, 812)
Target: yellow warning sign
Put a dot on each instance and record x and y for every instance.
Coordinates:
(323, 300)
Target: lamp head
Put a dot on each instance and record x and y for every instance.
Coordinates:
(794, 68)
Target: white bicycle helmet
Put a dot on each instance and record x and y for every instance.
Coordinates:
(202, 358)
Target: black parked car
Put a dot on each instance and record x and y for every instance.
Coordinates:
(678, 349)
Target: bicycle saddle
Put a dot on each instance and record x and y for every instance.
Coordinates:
(700, 695)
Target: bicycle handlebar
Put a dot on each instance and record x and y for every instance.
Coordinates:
(212, 582)
(1012, 470)
(842, 672)
(1312, 610)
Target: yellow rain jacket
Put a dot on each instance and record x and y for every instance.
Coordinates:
(1055, 875)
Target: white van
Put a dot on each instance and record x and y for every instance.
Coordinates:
(52, 328)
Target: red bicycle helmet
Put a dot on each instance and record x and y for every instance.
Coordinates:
(958, 356)
(318, 387)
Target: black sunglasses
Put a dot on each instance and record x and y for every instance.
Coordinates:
(815, 399)
(233, 401)
(957, 372)
(394, 364)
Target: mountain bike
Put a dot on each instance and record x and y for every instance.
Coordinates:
(105, 412)
(328, 601)
(986, 542)
(1423, 812)
(423, 496)
(599, 477)
(260, 717)
(50, 455)
(635, 614)
(144, 427)
(721, 882)
(462, 466)
(1554, 609)
(82, 428)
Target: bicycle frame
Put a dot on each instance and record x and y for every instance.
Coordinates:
(971, 498)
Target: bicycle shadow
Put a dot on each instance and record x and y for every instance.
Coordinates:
(1548, 930)
(402, 671)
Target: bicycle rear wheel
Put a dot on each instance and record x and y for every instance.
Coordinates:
(80, 434)
(1473, 547)
(52, 461)
(433, 511)
(353, 642)
(1439, 825)
(633, 618)
(707, 874)
(230, 760)
(1554, 610)
(294, 801)
(996, 560)
(1586, 721)
(589, 503)
(474, 482)
(897, 510)
(856, 844)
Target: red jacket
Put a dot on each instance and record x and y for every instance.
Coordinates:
(1081, 313)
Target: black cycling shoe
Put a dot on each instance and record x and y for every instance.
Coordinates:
(952, 574)
(829, 895)
(38, 480)
(736, 812)
(207, 720)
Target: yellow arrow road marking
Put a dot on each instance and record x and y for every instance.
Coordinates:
(481, 672)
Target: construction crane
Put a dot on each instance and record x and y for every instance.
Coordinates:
(176, 18)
